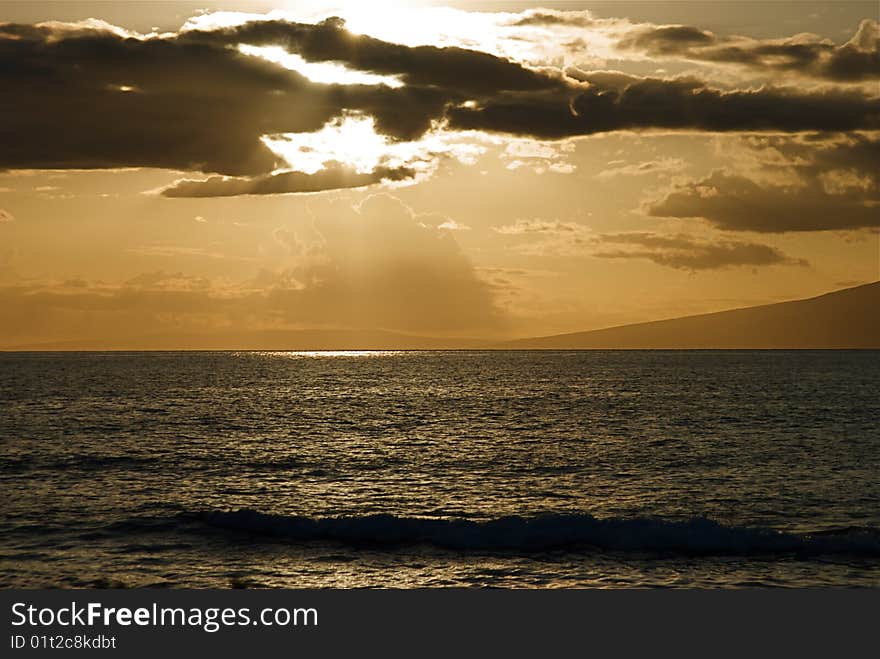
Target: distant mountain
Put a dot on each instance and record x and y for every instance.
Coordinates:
(848, 318)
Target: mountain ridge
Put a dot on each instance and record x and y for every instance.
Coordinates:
(847, 318)
(842, 319)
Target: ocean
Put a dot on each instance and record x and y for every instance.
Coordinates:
(511, 469)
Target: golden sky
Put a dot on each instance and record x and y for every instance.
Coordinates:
(469, 169)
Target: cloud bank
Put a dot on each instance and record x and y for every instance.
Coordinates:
(91, 95)
(685, 252)
(793, 184)
(805, 55)
(333, 177)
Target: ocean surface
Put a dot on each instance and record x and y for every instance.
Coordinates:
(435, 469)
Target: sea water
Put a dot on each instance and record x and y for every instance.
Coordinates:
(432, 469)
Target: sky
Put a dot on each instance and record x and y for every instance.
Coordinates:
(487, 170)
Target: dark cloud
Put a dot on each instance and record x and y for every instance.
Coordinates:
(737, 203)
(616, 101)
(95, 99)
(667, 39)
(805, 185)
(91, 97)
(465, 71)
(547, 17)
(689, 253)
(333, 176)
(87, 96)
(856, 60)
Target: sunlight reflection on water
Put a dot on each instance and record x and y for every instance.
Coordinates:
(325, 354)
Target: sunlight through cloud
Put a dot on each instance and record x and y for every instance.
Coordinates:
(352, 140)
(323, 72)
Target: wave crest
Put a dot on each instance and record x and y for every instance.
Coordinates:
(698, 536)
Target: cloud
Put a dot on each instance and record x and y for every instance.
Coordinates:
(90, 95)
(160, 280)
(334, 176)
(805, 55)
(539, 157)
(181, 101)
(615, 101)
(178, 251)
(525, 227)
(142, 102)
(466, 71)
(548, 17)
(193, 101)
(667, 39)
(686, 252)
(537, 237)
(799, 185)
(681, 251)
(452, 225)
(661, 166)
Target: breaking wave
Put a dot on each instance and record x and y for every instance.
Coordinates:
(576, 532)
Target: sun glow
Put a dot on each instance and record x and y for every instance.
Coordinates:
(352, 140)
(420, 24)
(497, 33)
(323, 72)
